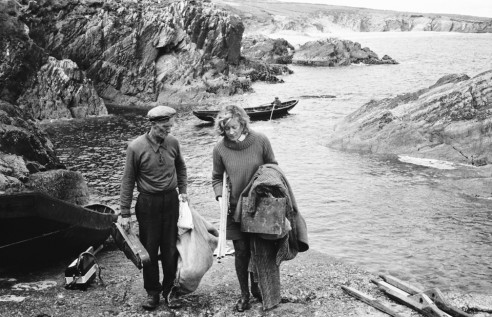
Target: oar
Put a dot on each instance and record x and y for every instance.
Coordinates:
(273, 108)
(224, 206)
(371, 301)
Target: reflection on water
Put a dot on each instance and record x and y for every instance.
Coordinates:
(377, 212)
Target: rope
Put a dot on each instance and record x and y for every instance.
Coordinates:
(34, 238)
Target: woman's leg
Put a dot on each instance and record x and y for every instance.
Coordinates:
(242, 255)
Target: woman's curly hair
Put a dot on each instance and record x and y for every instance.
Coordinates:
(228, 113)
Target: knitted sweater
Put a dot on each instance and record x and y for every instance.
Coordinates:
(240, 160)
(153, 167)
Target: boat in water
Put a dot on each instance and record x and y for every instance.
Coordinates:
(36, 226)
(263, 112)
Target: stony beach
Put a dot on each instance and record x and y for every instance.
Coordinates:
(311, 286)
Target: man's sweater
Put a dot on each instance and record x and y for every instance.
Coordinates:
(155, 168)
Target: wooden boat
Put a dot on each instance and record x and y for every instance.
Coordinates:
(262, 112)
(35, 226)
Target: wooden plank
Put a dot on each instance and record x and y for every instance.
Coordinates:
(441, 302)
(371, 301)
(428, 307)
(407, 287)
(419, 302)
(435, 296)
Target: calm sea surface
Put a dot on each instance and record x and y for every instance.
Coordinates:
(380, 213)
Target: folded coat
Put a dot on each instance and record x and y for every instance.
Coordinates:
(266, 255)
(270, 175)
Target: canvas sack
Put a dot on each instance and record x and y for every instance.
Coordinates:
(195, 248)
(185, 220)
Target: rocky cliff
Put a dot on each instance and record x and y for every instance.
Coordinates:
(131, 53)
(66, 59)
(44, 86)
(267, 17)
(137, 53)
(451, 120)
(61, 90)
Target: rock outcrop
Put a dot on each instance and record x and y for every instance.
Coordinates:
(257, 70)
(451, 120)
(262, 48)
(61, 90)
(20, 56)
(335, 52)
(267, 17)
(44, 87)
(28, 160)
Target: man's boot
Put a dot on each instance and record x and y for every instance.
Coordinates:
(151, 302)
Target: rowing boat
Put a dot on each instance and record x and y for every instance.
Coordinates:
(263, 112)
(34, 225)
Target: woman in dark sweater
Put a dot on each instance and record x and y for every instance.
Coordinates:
(240, 153)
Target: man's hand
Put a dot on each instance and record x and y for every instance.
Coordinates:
(183, 197)
(125, 223)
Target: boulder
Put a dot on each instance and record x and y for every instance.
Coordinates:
(14, 166)
(62, 184)
(259, 47)
(335, 52)
(451, 120)
(21, 137)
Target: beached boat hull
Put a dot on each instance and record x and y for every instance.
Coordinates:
(263, 112)
(35, 226)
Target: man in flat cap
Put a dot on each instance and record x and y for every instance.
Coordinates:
(155, 163)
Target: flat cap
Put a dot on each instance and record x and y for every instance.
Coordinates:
(160, 113)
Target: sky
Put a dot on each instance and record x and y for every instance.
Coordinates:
(480, 8)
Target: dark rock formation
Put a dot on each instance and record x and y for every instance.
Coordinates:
(53, 90)
(21, 137)
(137, 53)
(451, 120)
(24, 149)
(277, 51)
(335, 52)
(28, 160)
(61, 90)
(20, 57)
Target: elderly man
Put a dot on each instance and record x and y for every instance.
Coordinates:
(155, 163)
